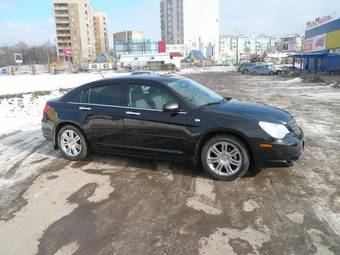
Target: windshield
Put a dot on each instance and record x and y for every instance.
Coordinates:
(194, 93)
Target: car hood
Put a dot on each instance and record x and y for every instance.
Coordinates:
(256, 111)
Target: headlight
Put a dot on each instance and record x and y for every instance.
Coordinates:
(278, 131)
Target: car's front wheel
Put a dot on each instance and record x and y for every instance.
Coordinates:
(225, 157)
(72, 143)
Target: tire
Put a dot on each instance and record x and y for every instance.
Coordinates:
(71, 131)
(271, 73)
(229, 171)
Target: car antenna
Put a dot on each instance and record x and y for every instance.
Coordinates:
(102, 75)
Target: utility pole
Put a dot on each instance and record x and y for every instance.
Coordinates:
(237, 58)
(48, 54)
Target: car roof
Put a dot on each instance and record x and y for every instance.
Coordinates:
(160, 79)
(163, 79)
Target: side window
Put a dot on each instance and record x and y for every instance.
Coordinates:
(103, 95)
(74, 97)
(147, 97)
(85, 96)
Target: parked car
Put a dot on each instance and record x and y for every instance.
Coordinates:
(333, 70)
(245, 66)
(263, 70)
(171, 118)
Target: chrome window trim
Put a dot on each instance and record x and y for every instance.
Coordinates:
(123, 107)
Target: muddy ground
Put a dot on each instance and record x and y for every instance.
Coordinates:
(113, 205)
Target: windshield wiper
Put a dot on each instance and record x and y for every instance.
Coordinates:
(215, 103)
(211, 103)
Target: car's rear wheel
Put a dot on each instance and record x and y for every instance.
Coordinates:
(225, 157)
(72, 143)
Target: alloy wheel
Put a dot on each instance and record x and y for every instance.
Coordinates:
(70, 143)
(224, 158)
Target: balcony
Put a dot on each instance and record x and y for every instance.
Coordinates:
(63, 30)
(62, 22)
(60, 7)
(61, 14)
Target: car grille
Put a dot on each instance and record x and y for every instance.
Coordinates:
(294, 127)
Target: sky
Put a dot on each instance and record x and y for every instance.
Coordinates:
(31, 21)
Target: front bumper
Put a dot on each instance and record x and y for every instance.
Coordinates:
(284, 153)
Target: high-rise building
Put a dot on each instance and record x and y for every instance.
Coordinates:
(74, 23)
(194, 23)
(101, 32)
(172, 21)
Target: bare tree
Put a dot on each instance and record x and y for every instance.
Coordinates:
(41, 54)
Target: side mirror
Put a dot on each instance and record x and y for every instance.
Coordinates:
(171, 107)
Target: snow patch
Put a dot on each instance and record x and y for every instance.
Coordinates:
(296, 217)
(219, 242)
(204, 198)
(295, 80)
(250, 206)
(10, 84)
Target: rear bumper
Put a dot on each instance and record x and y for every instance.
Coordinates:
(284, 153)
(47, 129)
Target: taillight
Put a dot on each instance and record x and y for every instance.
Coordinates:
(47, 108)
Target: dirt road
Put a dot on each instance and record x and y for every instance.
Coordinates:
(113, 205)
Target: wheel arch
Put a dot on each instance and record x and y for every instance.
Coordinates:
(212, 133)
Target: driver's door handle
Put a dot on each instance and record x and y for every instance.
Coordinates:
(85, 108)
(133, 113)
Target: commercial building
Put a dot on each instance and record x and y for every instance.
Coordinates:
(194, 23)
(321, 46)
(127, 36)
(75, 31)
(101, 32)
(152, 61)
(237, 48)
(291, 44)
(135, 47)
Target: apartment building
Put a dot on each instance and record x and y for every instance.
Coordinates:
(194, 23)
(235, 48)
(75, 31)
(172, 21)
(101, 32)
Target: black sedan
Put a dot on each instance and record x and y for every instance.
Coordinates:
(171, 118)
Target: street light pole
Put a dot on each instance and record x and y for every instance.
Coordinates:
(237, 58)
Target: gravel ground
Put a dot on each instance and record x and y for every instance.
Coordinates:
(113, 205)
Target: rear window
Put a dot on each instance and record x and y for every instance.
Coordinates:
(103, 95)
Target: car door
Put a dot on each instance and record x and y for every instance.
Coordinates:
(260, 69)
(151, 131)
(103, 121)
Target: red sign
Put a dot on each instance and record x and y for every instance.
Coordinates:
(67, 52)
(161, 46)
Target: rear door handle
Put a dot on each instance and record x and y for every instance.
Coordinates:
(85, 108)
(133, 113)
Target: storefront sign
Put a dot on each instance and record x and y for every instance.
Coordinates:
(67, 52)
(316, 43)
(319, 21)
